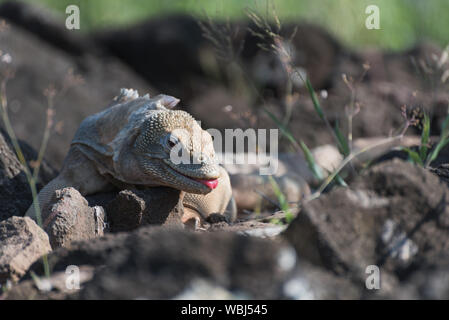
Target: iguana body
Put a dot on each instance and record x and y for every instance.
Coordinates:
(134, 142)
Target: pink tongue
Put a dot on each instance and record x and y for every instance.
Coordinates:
(210, 183)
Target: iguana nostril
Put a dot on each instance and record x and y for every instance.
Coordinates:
(200, 158)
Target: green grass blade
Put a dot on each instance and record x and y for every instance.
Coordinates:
(284, 130)
(343, 146)
(311, 163)
(414, 156)
(316, 103)
(424, 138)
(445, 127)
(341, 141)
(444, 139)
(340, 181)
(434, 154)
(283, 204)
(313, 166)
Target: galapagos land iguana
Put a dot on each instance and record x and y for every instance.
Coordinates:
(131, 142)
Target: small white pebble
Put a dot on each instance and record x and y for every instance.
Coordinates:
(227, 108)
(287, 259)
(6, 58)
(44, 285)
(298, 289)
(324, 94)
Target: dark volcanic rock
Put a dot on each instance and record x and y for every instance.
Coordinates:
(430, 282)
(394, 216)
(125, 211)
(22, 242)
(160, 264)
(131, 209)
(155, 263)
(54, 287)
(15, 193)
(69, 218)
(309, 282)
(166, 51)
(442, 171)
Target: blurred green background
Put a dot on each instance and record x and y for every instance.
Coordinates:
(402, 22)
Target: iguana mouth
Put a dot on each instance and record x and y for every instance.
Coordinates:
(210, 183)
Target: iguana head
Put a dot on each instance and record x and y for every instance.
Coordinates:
(173, 150)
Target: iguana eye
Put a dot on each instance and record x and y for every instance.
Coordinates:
(172, 141)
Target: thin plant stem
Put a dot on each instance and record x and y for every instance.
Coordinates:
(347, 160)
(30, 177)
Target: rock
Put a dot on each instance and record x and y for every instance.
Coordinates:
(15, 193)
(140, 46)
(131, 209)
(54, 288)
(308, 282)
(430, 282)
(155, 262)
(442, 171)
(69, 218)
(159, 263)
(393, 216)
(250, 228)
(125, 211)
(22, 242)
(327, 157)
(200, 289)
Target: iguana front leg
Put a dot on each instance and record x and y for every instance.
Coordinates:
(198, 207)
(78, 172)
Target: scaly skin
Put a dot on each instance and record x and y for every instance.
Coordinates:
(198, 207)
(134, 142)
